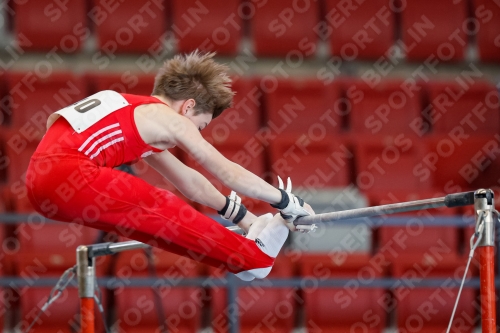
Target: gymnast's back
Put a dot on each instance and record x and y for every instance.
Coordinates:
(101, 128)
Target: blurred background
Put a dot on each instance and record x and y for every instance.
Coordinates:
(360, 102)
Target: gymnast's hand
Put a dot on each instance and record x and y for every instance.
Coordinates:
(291, 206)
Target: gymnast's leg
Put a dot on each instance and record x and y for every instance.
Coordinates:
(115, 201)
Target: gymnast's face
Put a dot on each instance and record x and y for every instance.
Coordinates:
(200, 120)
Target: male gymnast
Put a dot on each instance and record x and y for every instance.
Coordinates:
(71, 177)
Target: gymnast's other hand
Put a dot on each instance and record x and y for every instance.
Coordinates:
(291, 206)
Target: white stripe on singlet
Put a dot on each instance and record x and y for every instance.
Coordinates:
(106, 146)
(97, 134)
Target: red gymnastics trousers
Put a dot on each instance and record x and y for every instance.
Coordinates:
(69, 183)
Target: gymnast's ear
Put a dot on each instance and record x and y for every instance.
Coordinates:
(187, 107)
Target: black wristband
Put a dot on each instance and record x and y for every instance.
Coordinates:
(285, 200)
(241, 214)
(224, 210)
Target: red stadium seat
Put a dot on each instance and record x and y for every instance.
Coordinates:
(209, 26)
(418, 242)
(136, 307)
(383, 109)
(261, 309)
(244, 118)
(280, 27)
(135, 262)
(33, 98)
(311, 164)
(430, 308)
(418, 252)
(129, 26)
(350, 308)
(2, 226)
(126, 82)
(44, 25)
(19, 153)
(475, 110)
(17, 157)
(5, 112)
(4, 159)
(137, 311)
(345, 29)
(427, 31)
(304, 107)
(53, 246)
(8, 239)
(455, 164)
(413, 304)
(488, 34)
(387, 163)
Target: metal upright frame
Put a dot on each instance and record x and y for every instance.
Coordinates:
(483, 201)
(85, 261)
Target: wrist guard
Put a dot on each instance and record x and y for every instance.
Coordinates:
(234, 210)
(290, 206)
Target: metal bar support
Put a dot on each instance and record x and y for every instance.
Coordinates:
(86, 278)
(484, 203)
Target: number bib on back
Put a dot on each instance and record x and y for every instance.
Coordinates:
(90, 110)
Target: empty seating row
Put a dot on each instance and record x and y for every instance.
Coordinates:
(389, 106)
(354, 29)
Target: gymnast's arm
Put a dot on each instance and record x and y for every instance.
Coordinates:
(176, 130)
(229, 173)
(191, 183)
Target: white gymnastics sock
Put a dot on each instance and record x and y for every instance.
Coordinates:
(273, 236)
(270, 241)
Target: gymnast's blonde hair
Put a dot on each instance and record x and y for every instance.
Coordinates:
(197, 76)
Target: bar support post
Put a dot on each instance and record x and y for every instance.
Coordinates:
(484, 202)
(86, 278)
